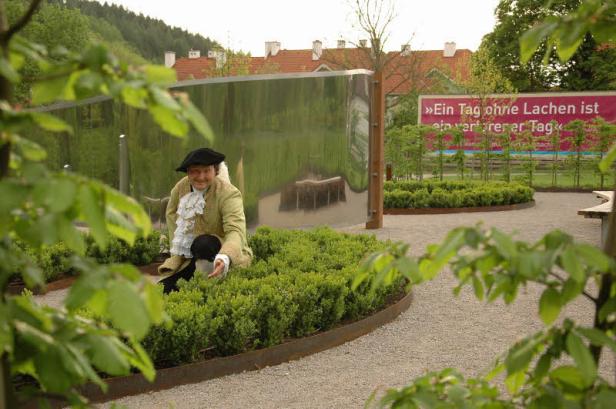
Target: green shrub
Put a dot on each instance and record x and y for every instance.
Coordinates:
(447, 194)
(55, 260)
(298, 283)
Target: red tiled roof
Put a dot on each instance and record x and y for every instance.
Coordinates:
(401, 71)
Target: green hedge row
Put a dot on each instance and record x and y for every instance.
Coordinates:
(299, 283)
(437, 194)
(55, 260)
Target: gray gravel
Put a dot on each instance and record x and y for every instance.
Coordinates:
(438, 331)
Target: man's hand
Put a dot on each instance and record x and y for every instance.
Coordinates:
(219, 267)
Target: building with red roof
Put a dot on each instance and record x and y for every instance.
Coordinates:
(404, 71)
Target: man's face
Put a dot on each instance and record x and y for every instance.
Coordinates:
(201, 176)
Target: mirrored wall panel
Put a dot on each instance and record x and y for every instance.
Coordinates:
(296, 146)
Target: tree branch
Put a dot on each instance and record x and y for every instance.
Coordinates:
(21, 23)
(586, 294)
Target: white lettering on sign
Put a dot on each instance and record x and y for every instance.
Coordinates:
(548, 109)
(440, 109)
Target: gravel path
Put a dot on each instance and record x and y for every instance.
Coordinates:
(438, 331)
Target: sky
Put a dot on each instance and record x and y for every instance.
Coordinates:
(247, 25)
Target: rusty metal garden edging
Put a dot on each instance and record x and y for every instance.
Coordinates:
(213, 368)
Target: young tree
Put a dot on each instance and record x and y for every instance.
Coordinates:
(486, 79)
(57, 348)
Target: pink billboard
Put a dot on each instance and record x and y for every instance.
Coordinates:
(521, 112)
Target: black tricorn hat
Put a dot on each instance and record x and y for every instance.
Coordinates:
(201, 156)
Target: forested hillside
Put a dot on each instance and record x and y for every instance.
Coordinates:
(150, 37)
(75, 24)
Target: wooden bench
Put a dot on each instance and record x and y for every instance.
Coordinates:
(601, 211)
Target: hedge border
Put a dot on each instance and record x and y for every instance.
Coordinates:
(447, 210)
(166, 378)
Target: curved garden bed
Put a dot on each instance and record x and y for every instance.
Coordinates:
(296, 298)
(300, 283)
(431, 197)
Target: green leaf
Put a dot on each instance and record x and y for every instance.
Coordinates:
(143, 362)
(604, 400)
(160, 75)
(50, 375)
(131, 207)
(57, 194)
(198, 121)
(107, 355)
(7, 71)
(135, 97)
(531, 39)
(50, 122)
(593, 257)
(543, 366)
(572, 265)
(582, 357)
(154, 302)
(568, 39)
(571, 289)
(126, 309)
(29, 149)
(164, 100)
(515, 381)
(597, 337)
(13, 195)
(478, 288)
(92, 209)
(549, 305)
(568, 377)
(409, 268)
(608, 308)
(608, 159)
(519, 356)
(504, 244)
(33, 276)
(169, 120)
(48, 91)
(84, 288)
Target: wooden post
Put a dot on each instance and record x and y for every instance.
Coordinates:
(388, 171)
(375, 168)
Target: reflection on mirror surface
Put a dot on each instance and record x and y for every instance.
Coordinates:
(296, 145)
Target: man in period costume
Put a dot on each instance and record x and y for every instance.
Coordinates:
(206, 221)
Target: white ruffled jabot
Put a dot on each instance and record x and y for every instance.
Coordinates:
(191, 205)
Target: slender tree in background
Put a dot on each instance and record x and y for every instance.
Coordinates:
(578, 138)
(485, 80)
(554, 140)
(459, 158)
(504, 140)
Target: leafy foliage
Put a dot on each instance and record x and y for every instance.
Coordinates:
(496, 267)
(427, 194)
(57, 348)
(299, 283)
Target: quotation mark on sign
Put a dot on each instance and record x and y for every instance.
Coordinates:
(429, 110)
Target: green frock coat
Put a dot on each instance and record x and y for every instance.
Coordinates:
(223, 217)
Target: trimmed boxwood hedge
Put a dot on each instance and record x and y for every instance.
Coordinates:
(55, 260)
(299, 283)
(447, 194)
